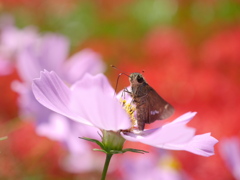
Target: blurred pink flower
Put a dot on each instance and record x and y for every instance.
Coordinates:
(14, 39)
(230, 152)
(50, 53)
(90, 101)
(152, 166)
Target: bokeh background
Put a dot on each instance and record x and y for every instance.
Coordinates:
(189, 51)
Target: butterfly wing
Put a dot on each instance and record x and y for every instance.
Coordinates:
(151, 107)
(158, 108)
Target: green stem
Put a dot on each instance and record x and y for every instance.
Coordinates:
(105, 169)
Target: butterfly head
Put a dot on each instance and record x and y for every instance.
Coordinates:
(136, 78)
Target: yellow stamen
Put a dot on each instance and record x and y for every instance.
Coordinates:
(130, 109)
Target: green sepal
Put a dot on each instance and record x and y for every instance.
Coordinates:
(116, 152)
(107, 151)
(93, 140)
(101, 150)
(128, 150)
(134, 150)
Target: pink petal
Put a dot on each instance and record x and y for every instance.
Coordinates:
(170, 133)
(54, 51)
(185, 118)
(94, 98)
(56, 128)
(202, 144)
(85, 61)
(85, 161)
(27, 65)
(13, 39)
(51, 92)
(49, 54)
(176, 136)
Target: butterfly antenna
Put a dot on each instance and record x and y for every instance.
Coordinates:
(122, 72)
(117, 83)
(118, 77)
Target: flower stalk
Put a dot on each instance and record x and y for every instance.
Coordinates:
(106, 165)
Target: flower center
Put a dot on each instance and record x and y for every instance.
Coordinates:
(130, 109)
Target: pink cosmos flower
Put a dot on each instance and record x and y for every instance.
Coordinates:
(90, 101)
(50, 52)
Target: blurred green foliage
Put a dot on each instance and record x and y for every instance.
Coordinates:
(87, 19)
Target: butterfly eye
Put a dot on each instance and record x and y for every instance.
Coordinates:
(139, 79)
